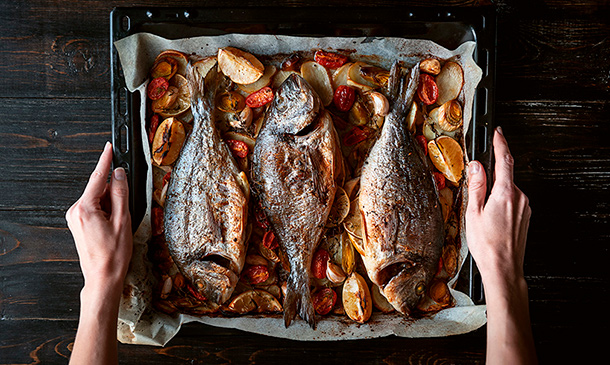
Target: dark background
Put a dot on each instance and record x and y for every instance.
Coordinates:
(552, 100)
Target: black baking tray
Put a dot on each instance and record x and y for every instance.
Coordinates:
(447, 26)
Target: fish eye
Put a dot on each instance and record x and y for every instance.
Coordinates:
(420, 288)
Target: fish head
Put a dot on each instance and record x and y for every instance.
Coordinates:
(212, 277)
(295, 106)
(404, 285)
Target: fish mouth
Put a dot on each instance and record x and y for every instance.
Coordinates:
(213, 277)
(403, 283)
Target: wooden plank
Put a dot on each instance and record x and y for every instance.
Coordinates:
(77, 65)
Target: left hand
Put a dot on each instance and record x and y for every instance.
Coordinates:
(101, 226)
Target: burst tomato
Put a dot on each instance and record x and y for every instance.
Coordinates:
(324, 301)
(166, 177)
(356, 135)
(344, 98)
(157, 88)
(319, 262)
(238, 148)
(270, 241)
(255, 274)
(260, 97)
(290, 63)
(260, 218)
(427, 89)
(196, 294)
(439, 179)
(329, 59)
(423, 143)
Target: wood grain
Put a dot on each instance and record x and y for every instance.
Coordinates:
(553, 102)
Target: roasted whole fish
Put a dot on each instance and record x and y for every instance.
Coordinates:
(402, 220)
(295, 162)
(207, 201)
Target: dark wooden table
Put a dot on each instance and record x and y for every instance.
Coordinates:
(553, 88)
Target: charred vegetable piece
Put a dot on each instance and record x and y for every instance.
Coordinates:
(258, 301)
(168, 141)
(270, 241)
(448, 157)
(427, 89)
(291, 63)
(255, 274)
(324, 300)
(329, 59)
(238, 148)
(157, 88)
(344, 98)
(357, 299)
(260, 98)
(240, 66)
(318, 263)
(431, 66)
(165, 67)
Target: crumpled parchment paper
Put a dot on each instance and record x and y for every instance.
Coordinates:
(140, 323)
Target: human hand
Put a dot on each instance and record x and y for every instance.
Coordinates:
(101, 226)
(496, 231)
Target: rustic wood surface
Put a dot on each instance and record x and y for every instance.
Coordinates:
(553, 88)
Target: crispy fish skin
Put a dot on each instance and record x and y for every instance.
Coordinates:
(402, 219)
(294, 167)
(207, 202)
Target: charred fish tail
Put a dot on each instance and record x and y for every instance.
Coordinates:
(298, 298)
(402, 86)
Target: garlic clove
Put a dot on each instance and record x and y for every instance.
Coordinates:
(334, 273)
(381, 106)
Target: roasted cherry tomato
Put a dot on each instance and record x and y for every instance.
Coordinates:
(157, 220)
(157, 88)
(319, 262)
(329, 59)
(427, 89)
(356, 135)
(255, 274)
(196, 294)
(423, 143)
(238, 148)
(260, 218)
(344, 98)
(260, 97)
(154, 124)
(290, 63)
(270, 241)
(324, 301)
(439, 179)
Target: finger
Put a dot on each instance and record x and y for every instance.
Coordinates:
(504, 161)
(119, 194)
(477, 186)
(97, 181)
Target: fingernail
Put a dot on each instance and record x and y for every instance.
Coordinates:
(499, 129)
(119, 173)
(473, 168)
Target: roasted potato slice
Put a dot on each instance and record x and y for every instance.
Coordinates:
(240, 66)
(449, 81)
(317, 76)
(265, 80)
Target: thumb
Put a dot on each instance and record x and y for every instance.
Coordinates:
(477, 186)
(119, 193)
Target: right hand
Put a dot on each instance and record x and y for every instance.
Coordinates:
(496, 231)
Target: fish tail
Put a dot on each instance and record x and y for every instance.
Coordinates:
(402, 88)
(203, 88)
(298, 299)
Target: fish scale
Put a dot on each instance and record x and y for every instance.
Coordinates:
(294, 165)
(207, 202)
(402, 220)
